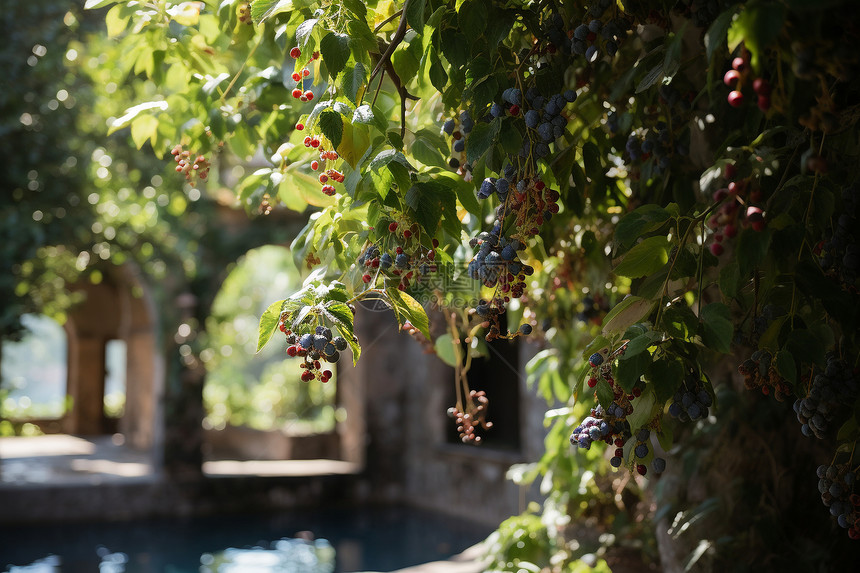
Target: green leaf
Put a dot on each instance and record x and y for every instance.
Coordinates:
(415, 15)
(757, 26)
(357, 7)
(647, 218)
(718, 328)
(651, 78)
(304, 31)
(596, 345)
(666, 375)
(353, 81)
(628, 371)
(93, 4)
(425, 201)
(639, 344)
(143, 128)
(627, 312)
(483, 136)
(730, 279)
(331, 125)
(438, 76)
(645, 258)
(133, 112)
(262, 10)
(407, 308)
(715, 37)
(785, 366)
(605, 395)
(455, 47)
(334, 49)
(444, 347)
(643, 410)
(354, 143)
(752, 248)
(269, 323)
(473, 17)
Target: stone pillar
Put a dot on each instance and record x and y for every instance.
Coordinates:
(86, 385)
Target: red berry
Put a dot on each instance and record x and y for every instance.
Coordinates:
(592, 382)
(540, 185)
(730, 231)
(716, 249)
(300, 126)
(375, 263)
(637, 392)
(282, 327)
(407, 233)
(729, 171)
(303, 98)
(739, 64)
(295, 52)
(327, 374)
(297, 76)
(315, 142)
(431, 255)
(515, 109)
(291, 351)
(315, 164)
(306, 72)
(763, 102)
(435, 243)
(316, 55)
(641, 469)
(297, 93)
(399, 250)
(720, 194)
(761, 86)
(392, 227)
(735, 98)
(309, 94)
(366, 278)
(731, 78)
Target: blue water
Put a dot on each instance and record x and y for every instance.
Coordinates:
(364, 539)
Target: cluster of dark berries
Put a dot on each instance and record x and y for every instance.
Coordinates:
(831, 388)
(489, 313)
(839, 253)
(760, 372)
(663, 135)
(199, 167)
(691, 401)
(738, 75)
(545, 119)
(474, 416)
(244, 13)
(836, 484)
(596, 37)
(314, 347)
(400, 264)
(459, 129)
(299, 76)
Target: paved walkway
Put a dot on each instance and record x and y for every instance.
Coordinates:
(61, 460)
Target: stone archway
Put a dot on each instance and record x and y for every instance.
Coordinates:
(117, 308)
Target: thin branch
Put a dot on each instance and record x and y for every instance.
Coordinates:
(395, 41)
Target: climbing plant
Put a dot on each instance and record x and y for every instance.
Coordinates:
(658, 187)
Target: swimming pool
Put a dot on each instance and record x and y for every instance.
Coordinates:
(364, 539)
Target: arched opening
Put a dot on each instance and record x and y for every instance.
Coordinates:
(257, 407)
(92, 386)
